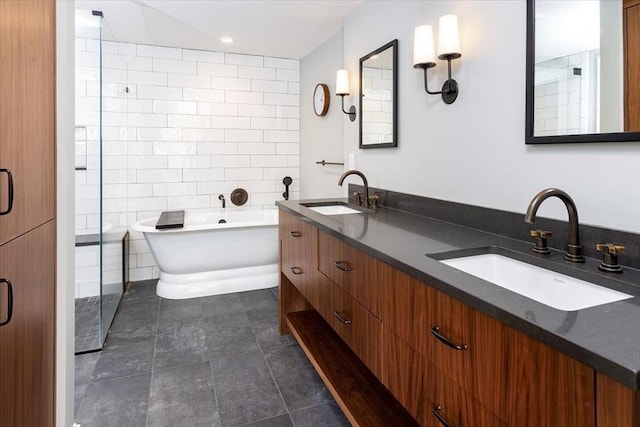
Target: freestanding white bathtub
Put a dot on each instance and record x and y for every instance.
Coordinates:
(210, 258)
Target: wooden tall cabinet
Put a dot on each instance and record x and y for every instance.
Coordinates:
(631, 36)
(27, 213)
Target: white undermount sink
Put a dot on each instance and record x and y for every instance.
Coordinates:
(334, 210)
(545, 286)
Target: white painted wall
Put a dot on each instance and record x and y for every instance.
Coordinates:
(473, 151)
(194, 124)
(65, 192)
(321, 137)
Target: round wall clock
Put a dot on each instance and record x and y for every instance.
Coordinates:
(321, 99)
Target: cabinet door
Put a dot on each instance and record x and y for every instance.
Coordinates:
(27, 356)
(27, 114)
(359, 329)
(617, 405)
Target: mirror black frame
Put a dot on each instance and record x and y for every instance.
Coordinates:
(529, 121)
(393, 44)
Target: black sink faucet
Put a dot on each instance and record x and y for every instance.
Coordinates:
(574, 248)
(224, 202)
(365, 184)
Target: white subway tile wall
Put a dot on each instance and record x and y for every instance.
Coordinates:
(180, 126)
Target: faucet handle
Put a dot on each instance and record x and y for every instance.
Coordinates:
(609, 262)
(373, 201)
(610, 248)
(357, 197)
(543, 234)
(541, 241)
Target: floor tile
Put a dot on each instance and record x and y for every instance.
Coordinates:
(136, 320)
(173, 310)
(219, 305)
(229, 334)
(117, 402)
(183, 396)
(297, 380)
(261, 300)
(327, 415)
(279, 421)
(265, 328)
(245, 389)
(125, 360)
(84, 366)
(180, 343)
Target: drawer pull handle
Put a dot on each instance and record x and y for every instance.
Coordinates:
(9, 301)
(340, 317)
(440, 418)
(296, 270)
(436, 333)
(296, 234)
(9, 191)
(342, 266)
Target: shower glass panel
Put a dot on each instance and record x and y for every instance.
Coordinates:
(101, 248)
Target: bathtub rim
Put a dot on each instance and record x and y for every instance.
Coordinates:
(143, 227)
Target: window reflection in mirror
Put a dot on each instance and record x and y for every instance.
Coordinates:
(378, 97)
(583, 65)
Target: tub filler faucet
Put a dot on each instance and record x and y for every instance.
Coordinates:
(224, 202)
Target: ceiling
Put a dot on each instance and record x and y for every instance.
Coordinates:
(280, 28)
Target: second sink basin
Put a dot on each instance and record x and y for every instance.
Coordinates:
(331, 208)
(545, 286)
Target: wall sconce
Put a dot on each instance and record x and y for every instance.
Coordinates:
(342, 90)
(448, 49)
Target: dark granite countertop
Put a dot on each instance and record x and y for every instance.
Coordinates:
(605, 337)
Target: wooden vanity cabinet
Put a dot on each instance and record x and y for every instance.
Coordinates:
(477, 370)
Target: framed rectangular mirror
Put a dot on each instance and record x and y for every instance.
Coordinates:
(379, 97)
(583, 71)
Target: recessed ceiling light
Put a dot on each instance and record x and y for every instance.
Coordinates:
(226, 39)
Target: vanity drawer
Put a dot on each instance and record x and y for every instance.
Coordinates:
(298, 255)
(420, 387)
(463, 343)
(357, 273)
(359, 329)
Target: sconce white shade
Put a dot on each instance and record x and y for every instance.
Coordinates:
(423, 52)
(342, 82)
(448, 37)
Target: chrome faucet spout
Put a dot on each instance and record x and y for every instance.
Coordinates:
(365, 184)
(574, 248)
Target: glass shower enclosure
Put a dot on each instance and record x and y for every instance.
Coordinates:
(101, 247)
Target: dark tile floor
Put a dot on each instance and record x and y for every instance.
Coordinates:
(212, 361)
(88, 335)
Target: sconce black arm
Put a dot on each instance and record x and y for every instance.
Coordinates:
(352, 110)
(450, 87)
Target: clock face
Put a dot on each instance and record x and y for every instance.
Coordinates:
(321, 99)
